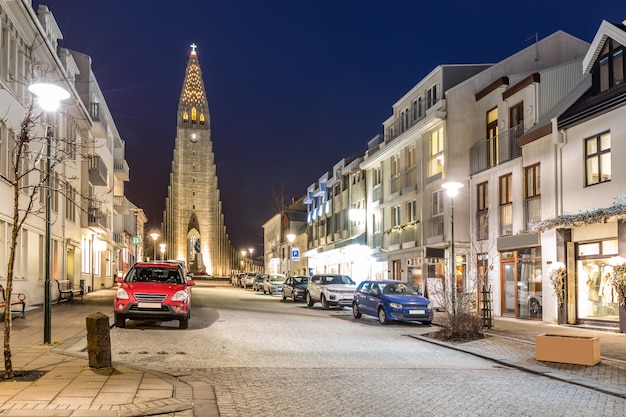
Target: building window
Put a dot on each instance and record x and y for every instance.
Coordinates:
(532, 194)
(610, 66)
(482, 211)
(506, 205)
(437, 203)
(411, 211)
(435, 162)
(516, 120)
(395, 216)
(598, 159)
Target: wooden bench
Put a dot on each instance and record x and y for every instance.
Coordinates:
(17, 298)
(67, 291)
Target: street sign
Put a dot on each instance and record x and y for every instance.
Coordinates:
(295, 254)
(136, 240)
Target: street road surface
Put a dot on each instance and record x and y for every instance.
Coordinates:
(266, 357)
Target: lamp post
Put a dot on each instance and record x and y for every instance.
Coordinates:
(49, 97)
(452, 189)
(154, 237)
(290, 237)
(162, 249)
(251, 251)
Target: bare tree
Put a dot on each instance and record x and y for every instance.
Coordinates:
(36, 158)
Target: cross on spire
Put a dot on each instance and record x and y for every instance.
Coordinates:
(193, 48)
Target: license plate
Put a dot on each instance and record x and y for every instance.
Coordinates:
(417, 311)
(149, 305)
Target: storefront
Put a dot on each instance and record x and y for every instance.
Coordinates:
(596, 299)
(521, 277)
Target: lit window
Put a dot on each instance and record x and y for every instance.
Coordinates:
(598, 159)
(436, 160)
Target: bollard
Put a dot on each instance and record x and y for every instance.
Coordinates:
(98, 340)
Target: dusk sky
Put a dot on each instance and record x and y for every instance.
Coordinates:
(293, 86)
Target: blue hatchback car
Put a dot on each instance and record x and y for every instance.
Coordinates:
(391, 300)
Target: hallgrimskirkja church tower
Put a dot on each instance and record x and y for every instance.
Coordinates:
(193, 223)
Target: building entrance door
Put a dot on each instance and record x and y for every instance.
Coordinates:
(508, 285)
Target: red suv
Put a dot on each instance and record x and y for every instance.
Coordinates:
(154, 291)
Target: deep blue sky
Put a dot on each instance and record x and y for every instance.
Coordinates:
(293, 86)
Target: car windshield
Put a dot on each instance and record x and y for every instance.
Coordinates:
(397, 288)
(155, 274)
(277, 278)
(337, 279)
(300, 280)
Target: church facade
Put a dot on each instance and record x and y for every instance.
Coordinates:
(193, 223)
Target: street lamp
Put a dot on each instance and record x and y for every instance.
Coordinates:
(154, 237)
(49, 97)
(290, 237)
(162, 249)
(452, 189)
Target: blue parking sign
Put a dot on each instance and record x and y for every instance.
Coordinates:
(295, 254)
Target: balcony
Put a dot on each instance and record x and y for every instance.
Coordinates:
(97, 220)
(98, 174)
(100, 123)
(434, 230)
(411, 118)
(122, 172)
(496, 150)
(121, 205)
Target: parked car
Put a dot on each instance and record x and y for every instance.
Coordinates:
(258, 282)
(391, 300)
(248, 280)
(153, 291)
(295, 288)
(330, 290)
(273, 284)
(237, 280)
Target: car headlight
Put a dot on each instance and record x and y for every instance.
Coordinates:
(180, 296)
(395, 305)
(430, 306)
(122, 294)
(331, 290)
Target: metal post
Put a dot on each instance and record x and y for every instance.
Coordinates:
(453, 261)
(47, 318)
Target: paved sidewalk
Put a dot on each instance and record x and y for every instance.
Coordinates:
(511, 342)
(71, 388)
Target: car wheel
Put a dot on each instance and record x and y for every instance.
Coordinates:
(184, 323)
(382, 316)
(284, 296)
(120, 322)
(355, 311)
(533, 306)
(293, 297)
(324, 302)
(264, 292)
(309, 300)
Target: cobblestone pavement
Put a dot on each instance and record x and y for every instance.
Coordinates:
(499, 391)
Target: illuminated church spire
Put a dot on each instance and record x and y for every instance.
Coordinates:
(193, 223)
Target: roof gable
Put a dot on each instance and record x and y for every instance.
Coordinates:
(605, 31)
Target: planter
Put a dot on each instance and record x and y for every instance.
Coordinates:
(577, 350)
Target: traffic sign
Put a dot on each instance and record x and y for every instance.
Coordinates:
(136, 240)
(295, 254)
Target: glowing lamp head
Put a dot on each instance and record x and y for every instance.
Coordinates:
(49, 95)
(452, 188)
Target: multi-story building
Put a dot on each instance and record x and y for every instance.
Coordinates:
(581, 227)
(336, 221)
(289, 223)
(81, 245)
(404, 170)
